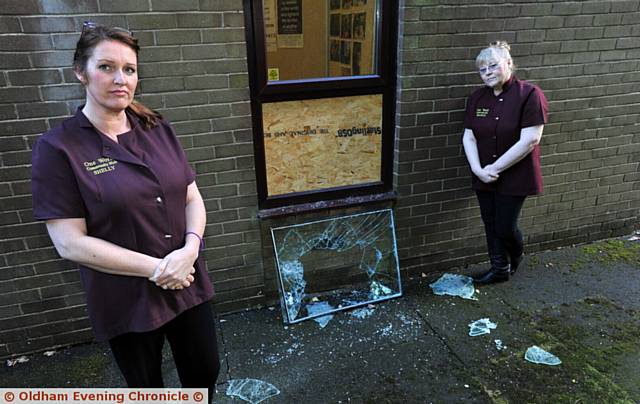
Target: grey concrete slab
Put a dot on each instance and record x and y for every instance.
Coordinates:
(387, 357)
(542, 281)
(87, 365)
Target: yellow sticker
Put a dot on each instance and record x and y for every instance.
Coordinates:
(482, 112)
(273, 73)
(101, 165)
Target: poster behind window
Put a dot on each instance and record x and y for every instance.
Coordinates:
(271, 36)
(300, 35)
(290, 24)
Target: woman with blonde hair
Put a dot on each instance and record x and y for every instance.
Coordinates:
(502, 129)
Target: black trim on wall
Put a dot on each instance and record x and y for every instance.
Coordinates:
(263, 92)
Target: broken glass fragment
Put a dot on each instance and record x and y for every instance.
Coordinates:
(362, 313)
(378, 290)
(454, 285)
(347, 262)
(251, 390)
(292, 276)
(536, 354)
(481, 327)
(12, 362)
(370, 260)
(386, 331)
(320, 307)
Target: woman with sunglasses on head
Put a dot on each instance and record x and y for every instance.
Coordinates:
(119, 198)
(502, 129)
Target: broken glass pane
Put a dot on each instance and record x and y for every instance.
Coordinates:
(343, 262)
(536, 354)
(251, 390)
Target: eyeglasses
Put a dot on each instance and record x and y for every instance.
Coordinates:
(490, 68)
(89, 25)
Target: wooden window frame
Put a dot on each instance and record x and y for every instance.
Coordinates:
(262, 91)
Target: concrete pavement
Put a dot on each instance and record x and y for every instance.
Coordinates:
(581, 303)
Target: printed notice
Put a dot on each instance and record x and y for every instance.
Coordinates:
(290, 24)
(271, 37)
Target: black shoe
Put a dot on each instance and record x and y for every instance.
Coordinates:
(494, 275)
(515, 262)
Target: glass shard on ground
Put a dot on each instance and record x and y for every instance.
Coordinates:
(251, 390)
(320, 307)
(454, 285)
(362, 313)
(481, 327)
(538, 355)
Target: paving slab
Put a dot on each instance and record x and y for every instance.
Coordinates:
(87, 365)
(388, 356)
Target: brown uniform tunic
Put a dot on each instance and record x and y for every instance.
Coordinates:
(131, 193)
(496, 122)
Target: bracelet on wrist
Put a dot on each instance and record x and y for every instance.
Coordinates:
(199, 238)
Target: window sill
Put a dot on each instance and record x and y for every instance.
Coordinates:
(321, 205)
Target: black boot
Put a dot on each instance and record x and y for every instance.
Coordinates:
(515, 262)
(515, 249)
(499, 271)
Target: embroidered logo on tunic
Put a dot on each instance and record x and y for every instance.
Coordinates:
(101, 165)
(482, 112)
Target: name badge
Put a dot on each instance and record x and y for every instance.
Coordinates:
(482, 112)
(101, 165)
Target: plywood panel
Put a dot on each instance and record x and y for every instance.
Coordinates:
(323, 143)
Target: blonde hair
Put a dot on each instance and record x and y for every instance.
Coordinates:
(497, 50)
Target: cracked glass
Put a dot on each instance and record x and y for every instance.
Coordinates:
(343, 262)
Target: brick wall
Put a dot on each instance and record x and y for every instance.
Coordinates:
(194, 71)
(585, 56)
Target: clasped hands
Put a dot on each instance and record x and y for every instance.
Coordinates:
(175, 271)
(487, 174)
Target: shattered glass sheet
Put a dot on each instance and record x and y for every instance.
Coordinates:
(454, 285)
(251, 390)
(344, 262)
(535, 354)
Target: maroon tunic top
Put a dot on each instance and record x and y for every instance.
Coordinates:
(496, 122)
(131, 193)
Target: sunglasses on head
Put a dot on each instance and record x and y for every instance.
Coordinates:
(90, 25)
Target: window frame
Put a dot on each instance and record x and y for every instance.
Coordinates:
(262, 91)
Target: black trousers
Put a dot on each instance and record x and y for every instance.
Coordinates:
(500, 216)
(192, 337)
